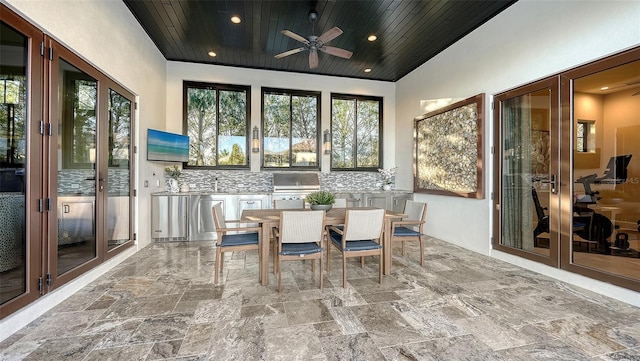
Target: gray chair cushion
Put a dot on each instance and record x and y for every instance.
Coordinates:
(289, 249)
(242, 239)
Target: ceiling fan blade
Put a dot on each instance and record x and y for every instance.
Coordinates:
(295, 36)
(313, 58)
(329, 35)
(331, 50)
(290, 52)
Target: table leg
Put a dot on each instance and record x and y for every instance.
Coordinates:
(264, 253)
(386, 247)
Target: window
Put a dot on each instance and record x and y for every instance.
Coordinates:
(216, 119)
(356, 132)
(585, 135)
(290, 123)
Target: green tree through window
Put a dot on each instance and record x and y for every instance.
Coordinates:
(290, 124)
(217, 122)
(356, 128)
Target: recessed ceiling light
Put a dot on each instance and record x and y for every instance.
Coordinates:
(235, 19)
(372, 37)
(212, 54)
(604, 88)
(367, 70)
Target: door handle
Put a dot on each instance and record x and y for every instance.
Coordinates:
(552, 182)
(101, 184)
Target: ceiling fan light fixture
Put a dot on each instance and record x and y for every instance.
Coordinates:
(367, 70)
(236, 19)
(212, 54)
(372, 38)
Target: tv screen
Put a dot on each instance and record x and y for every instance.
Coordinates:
(167, 147)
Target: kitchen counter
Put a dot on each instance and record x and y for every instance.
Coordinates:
(248, 192)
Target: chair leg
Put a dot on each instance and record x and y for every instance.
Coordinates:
(361, 262)
(380, 271)
(313, 266)
(344, 271)
(328, 256)
(321, 275)
(279, 276)
(421, 251)
(275, 256)
(218, 266)
(403, 248)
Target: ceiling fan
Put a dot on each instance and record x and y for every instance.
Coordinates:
(315, 43)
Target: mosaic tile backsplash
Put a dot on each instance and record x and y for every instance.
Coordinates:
(246, 181)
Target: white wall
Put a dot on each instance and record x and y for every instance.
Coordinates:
(178, 72)
(528, 41)
(106, 34)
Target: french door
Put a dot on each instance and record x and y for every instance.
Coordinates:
(567, 170)
(66, 177)
(526, 171)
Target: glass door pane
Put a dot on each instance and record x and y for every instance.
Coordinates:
(526, 177)
(13, 160)
(606, 171)
(76, 191)
(119, 179)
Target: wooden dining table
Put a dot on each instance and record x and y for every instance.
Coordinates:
(268, 218)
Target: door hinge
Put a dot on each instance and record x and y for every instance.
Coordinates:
(40, 285)
(491, 195)
(51, 53)
(42, 48)
(40, 205)
(49, 129)
(135, 105)
(493, 149)
(48, 279)
(135, 149)
(48, 204)
(42, 127)
(135, 236)
(135, 192)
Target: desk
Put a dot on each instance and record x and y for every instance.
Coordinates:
(268, 218)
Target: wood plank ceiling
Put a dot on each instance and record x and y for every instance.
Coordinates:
(409, 32)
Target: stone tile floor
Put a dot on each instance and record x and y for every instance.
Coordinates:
(161, 304)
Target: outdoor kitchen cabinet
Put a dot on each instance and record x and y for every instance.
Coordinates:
(397, 201)
(352, 199)
(201, 225)
(169, 215)
(378, 200)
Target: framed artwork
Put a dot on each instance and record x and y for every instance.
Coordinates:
(448, 150)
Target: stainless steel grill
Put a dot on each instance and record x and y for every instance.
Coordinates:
(294, 185)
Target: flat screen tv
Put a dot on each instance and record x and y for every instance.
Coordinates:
(167, 147)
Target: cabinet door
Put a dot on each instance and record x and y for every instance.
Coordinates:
(398, 201)
(351, 199)
(376, 200)
(159, 216)
(178, 206)
(205, 217)
(248, 204)
(76, 221)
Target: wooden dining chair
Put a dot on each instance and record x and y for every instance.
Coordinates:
(300, 237)
(410, 228)
(231, 239)
(360, 236)
(282, 204)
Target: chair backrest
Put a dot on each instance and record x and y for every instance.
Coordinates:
(363, 224)
(415, 211)
(301, 226)
(218, 215)
(288, 203)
